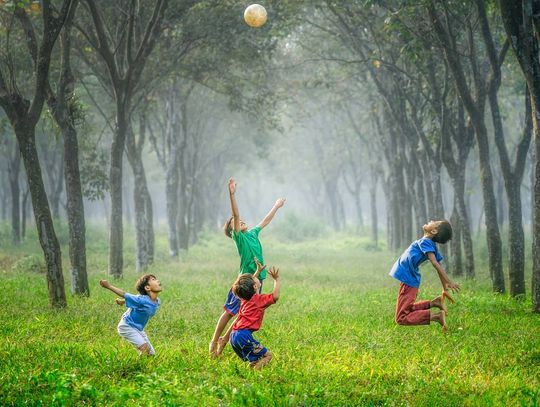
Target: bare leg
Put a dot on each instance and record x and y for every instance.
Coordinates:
(223, 340)
(258, 365)
(221, 324)
(440, 317)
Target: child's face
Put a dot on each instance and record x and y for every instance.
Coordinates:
(431, 227)
(243, 226)
(256, 284)
(153, 285)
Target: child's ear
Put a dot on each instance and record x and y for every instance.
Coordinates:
(147, 288)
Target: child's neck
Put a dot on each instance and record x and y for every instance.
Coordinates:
(153, 296)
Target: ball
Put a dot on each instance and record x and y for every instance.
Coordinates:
(255, 15)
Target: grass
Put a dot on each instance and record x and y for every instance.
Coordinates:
(332, 335)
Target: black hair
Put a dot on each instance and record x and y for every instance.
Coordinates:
(143, 282)
(227, 227)
(444, 232)
(244, 287)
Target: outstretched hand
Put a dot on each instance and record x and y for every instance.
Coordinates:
(104, 283)
(274, 272)
(454, 287)
(232, 186)
(260, 267)
(280, 202)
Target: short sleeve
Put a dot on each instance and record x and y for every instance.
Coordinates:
(265, 300)
(132, 301)
(256, 230)
(429, 246)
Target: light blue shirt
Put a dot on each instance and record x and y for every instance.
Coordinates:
(140, 309)
(405, 269)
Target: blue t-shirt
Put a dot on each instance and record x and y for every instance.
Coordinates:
(405, 269)
(140, 309)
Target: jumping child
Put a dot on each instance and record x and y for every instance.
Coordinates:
(249, 247)
(251, 315)
(405, 269)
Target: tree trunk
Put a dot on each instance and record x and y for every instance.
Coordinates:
(455, 243)
(373, 206)
(116, 233)
(14, 170)
(43, 218)
(172, 171)
(75, 214)
(24, 209)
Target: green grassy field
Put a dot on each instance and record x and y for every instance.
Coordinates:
(332, 335)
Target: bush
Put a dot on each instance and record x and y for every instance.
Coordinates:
(294, 227)
(32, 264)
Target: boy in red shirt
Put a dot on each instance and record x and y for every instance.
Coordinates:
(250, 316)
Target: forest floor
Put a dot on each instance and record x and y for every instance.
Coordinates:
(332, 334)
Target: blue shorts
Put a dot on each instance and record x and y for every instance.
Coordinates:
(232, 303)
(246, 346)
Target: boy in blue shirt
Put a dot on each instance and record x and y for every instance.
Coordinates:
(140, 309)
(405, 269)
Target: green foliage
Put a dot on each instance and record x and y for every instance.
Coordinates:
(295, 227)
(332, 334)
(30, 264)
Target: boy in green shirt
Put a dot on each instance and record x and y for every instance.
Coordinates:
(249, 248)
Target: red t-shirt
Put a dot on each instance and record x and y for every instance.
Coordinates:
(251, 312)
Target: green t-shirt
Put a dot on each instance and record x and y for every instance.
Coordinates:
(249, 246)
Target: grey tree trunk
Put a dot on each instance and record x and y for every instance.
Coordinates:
(171, 183)
(373, 207)
(455, 243)
(14, 166)
(42, 214)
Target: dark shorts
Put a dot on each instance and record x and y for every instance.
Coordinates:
(246, 346)
(232, 303)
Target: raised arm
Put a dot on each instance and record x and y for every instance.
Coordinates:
(270, 215)
(107, 285)
(260, 267)
(445, 281)
(234, 207)
(274, 272)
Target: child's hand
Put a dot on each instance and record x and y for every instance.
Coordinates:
(279, 203)
(274, 272)
(104, 283)
(260, 267)
(232, 186)
(120, 301)
(451, 286)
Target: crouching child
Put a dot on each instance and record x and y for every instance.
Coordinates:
(140, 308)
(250, 316)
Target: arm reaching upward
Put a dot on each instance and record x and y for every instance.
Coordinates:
(108, 286)
(274, 272)
(445, 281)
(234, 207)
(270, 215)
(260, 267)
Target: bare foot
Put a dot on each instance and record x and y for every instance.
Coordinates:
(440, 317)
(258, 365)
(221, 343)
(439, 303)
(212, 348)
(445, 294)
